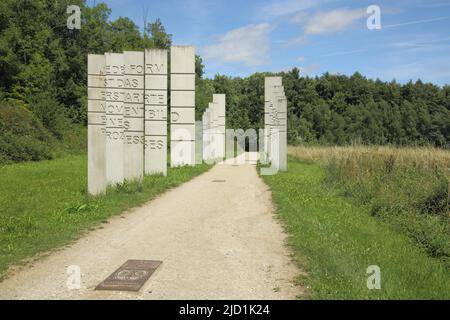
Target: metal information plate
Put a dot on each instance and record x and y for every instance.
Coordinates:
(131, 276)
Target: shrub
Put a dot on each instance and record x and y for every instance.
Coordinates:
(22, 135)
(27, 136)
(406, 187)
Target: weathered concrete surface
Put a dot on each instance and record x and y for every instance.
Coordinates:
(156, 111)
(133, 148)
(96, 125)
(275, 124)
(219, 99)
(114, 118)
(217, 240)
(269, 83)
(182, 106)
(206, 134)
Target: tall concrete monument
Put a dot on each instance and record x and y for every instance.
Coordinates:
(182, 106)
(198, 142)
(278, 149)
(128, 114)
(214, 124)
(219, 100)
(269, 83)
(96, 125)
(275, 122)
(156, 111)
(114, 117)
(214, 132)
(206, 134)
(133, 106)
(282, 127)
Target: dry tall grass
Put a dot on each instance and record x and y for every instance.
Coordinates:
(408, 187)
(429, 157)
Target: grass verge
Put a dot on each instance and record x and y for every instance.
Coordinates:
(409, 188)
(335, 240)
(44, 205)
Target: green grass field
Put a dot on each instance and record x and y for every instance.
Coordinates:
(335, 238)
(44, 205)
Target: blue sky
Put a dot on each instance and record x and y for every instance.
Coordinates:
(238, 38)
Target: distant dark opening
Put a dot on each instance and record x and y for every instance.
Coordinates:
(250, 147)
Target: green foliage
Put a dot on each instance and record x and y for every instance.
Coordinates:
(199, 66)
(44, 65)
(39, 55)
(49, 112)
(22, 135)
(125, 35)
(203, 96)
(244, 98)
(335, 239)
(337, 109)
(37, 216)
(410, 194)
(159, 38)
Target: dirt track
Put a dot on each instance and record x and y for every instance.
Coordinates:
(217, 240)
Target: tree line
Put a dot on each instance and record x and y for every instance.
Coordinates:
(43, 63)
(341, 110)
(43, 79)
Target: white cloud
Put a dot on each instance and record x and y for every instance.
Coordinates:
(281, 8)
(310, 69)
(287, 7)
(333, 21)
(299, 17)
(324, 22)
(300, 59)
(341, 53)
(249, 45)
(301, 40)
(414, 22)
(434, 5)
(422, 43)
(425, 71)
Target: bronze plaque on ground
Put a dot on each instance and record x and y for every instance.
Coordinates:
(131, 276)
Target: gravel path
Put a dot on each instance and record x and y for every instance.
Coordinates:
(217, 240)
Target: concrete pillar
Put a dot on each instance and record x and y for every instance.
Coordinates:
(269, 83)
(133, 82)
(275, 149)
(282, 126)
(96, 125)
(114, 118)
(156, 112)
(182, 106)
(198, 142)
(274, 112)
(214, 123)
(219, 99)
(203, 135)
(206, 134)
